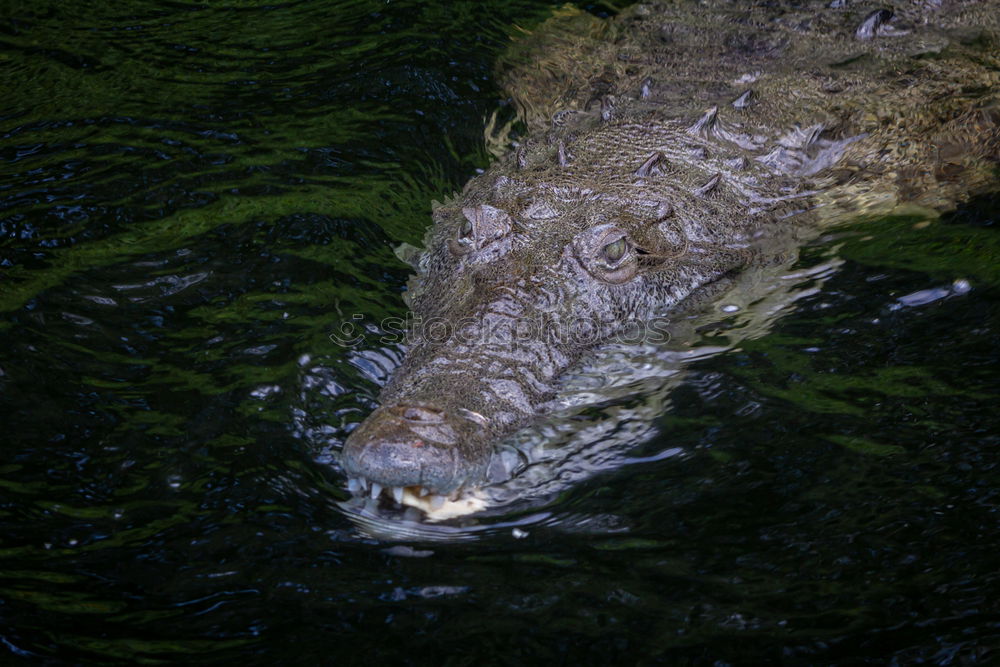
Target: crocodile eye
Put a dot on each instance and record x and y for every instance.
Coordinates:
(613, 252)
(605, 251)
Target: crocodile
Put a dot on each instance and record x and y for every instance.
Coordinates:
(662, 152)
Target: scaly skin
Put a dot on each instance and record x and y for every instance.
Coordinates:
(667, 149)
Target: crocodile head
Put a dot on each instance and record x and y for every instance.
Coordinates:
(508, 295)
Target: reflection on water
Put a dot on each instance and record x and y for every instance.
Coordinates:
(196, 196)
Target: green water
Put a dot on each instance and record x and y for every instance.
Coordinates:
(195, 196)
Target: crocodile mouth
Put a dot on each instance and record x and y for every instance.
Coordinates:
(434, 506)
(419, 455)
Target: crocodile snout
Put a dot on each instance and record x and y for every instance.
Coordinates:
(418, 445)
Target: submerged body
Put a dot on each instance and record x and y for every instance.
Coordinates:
(668, 150)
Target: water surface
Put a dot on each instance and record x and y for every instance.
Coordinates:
(194, 197)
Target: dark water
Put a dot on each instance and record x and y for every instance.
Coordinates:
(194, 197)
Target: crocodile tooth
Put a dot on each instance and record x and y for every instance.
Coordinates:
(706, 122)
(363, 483)
(397, 494)
(376, 489)
(353, 485)
(437, 502)
(423, 491)
(744, 100)
(710, 185)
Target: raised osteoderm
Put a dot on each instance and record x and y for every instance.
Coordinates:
(667, 149)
